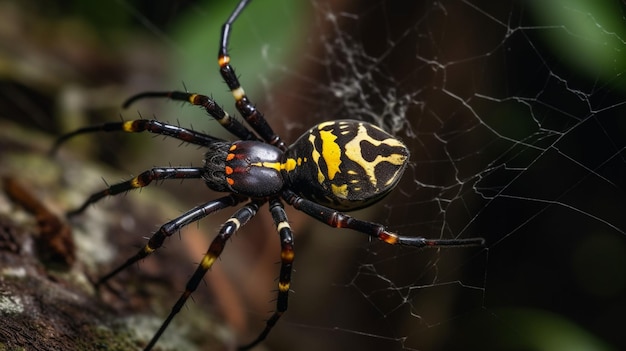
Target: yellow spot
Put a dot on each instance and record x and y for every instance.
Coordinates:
(223, 60)
(147, 249)
(282, 225)
(289, 165)
(232, 147)
(128, 126)
(331, 153)
(225, 120)
(354, 153)
(238, 93)
(207, 261)
(283, 287)
(192, 98)
(325, 124)
(340, 191)
(136, 183)
(236, 222)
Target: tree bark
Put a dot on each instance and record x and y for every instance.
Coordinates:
(47, 302)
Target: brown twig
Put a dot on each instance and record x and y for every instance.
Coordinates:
(55, 244)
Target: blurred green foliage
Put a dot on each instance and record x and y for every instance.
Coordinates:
(587, 35)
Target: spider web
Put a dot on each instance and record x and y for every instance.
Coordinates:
(513, 115)
(512, 112)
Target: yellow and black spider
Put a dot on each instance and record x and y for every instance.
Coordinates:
(341, 165)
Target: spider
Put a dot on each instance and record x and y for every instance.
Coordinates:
(336, 166)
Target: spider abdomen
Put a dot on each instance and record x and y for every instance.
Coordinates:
(347, 164)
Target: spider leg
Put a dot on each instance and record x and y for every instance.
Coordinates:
(247, 109)
(173, 226)
(231, 226)
(210, 106)
(141, 125)
(140, 181)
(338, 219)
(286, 267)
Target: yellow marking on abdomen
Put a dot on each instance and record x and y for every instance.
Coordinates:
(289, 165)
(331, 153)
(341, 191)
(354, 153)
(325, 124)
(316, 158)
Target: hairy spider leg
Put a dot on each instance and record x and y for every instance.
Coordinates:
(210, 106)
(246, 108)
(140, 181)
(239, 218)
(286, 267)
(338, 219)
(138, 126)
(173, 226)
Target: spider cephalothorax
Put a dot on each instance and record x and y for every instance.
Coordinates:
(339, 165)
